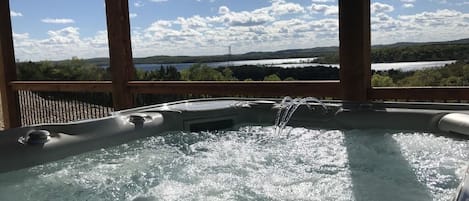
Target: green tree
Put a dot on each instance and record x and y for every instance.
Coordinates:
(378, 80)
(428, 77)
(272, 77)
(74, 69)
(201, 72)
(228, 74)
(172, 73)
(465, 74)
(452, 81)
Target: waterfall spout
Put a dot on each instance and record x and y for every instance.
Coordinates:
(288, 106)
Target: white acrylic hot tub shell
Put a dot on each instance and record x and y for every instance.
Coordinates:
(78, 137)
(455, 122)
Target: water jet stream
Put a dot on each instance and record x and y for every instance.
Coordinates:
(287, 108)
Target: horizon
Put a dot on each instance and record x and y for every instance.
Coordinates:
(213, 55)
(209, 27)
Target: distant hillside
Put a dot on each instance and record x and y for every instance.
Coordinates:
(431, 51)
(407, 44)
(412, 51)
(283, 54)
(403, 51)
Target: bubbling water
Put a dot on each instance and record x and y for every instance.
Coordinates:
(310, 164)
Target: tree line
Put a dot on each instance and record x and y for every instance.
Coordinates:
(77, 69)
(408, 53)
(456, 74)
(430, 51)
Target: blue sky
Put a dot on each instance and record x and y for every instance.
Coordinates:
(61, 29)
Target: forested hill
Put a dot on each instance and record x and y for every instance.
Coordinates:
(406, 51)
(406, 44)
(451, 50)
(282, 54)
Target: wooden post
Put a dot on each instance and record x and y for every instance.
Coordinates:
(9, 98)
(120, 52)
(355, 47)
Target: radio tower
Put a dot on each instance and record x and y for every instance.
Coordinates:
(229, 55)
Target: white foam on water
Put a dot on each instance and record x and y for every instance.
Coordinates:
(253, 164)
(438, 162)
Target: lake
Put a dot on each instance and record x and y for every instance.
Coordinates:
(304, 62)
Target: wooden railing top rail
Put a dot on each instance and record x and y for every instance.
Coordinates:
(329, 88)
(254, 88)
(250, 88)
(63, 86)
(420, 93)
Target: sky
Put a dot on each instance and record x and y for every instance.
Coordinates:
(62, 29)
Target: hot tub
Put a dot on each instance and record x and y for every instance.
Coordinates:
(372, 151)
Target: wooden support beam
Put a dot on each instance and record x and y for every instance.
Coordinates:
(9, 98)
(232, 88)
(120, 52)
(355, 47)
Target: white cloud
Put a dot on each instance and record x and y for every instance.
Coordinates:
(138, 4)
(280, 7)
(60, 44)
(246, 19)
(439, 25)
(210, 35)
(65, 36)
(132, 15)
(245, 30)
(408, 5)
(223, 10)
(158, 1)
(243, 18)
(160, 24)
(192, 22)
(99, 41)
(15, 14)
(381, 7)
(20, 36)
(325, 9)
(58, 21)
(263, 29)
(440, 17)
(323, 1)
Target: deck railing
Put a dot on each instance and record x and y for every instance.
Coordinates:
(64, 101)
(331, 89)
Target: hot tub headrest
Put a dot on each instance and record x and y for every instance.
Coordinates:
(455, 122)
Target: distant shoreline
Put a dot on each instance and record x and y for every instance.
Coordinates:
(404, 66)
